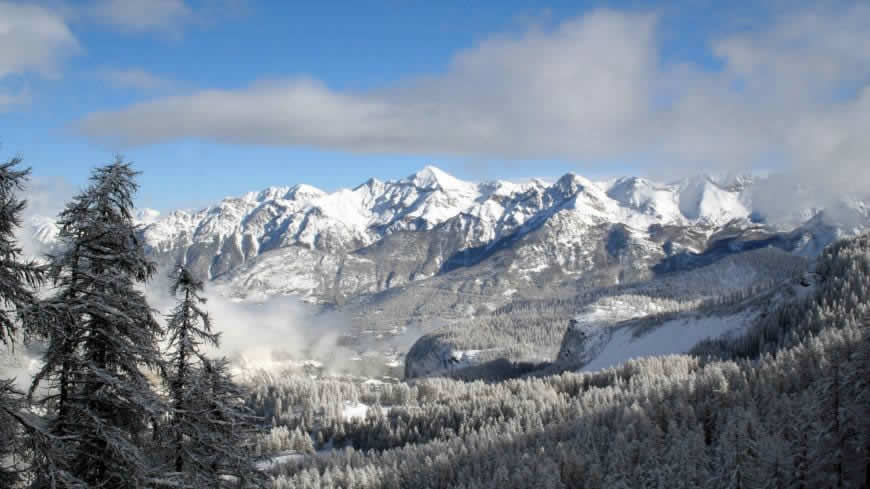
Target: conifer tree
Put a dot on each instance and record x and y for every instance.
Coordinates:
(188, 327)
(10, 433)
(859, 378)
(210, 427)
(18, 279)
(102, 335)
(224, 445)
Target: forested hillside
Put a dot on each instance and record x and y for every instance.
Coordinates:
(784, 406)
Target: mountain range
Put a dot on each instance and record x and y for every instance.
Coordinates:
(329, 247)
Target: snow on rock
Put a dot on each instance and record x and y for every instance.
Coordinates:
(677, 336)
(430, 357)
(649, 198)
(591, 330)
(146, 216)
(304, 241)
(43, 230)
(700, 199)
(431, 177)
(614, 330)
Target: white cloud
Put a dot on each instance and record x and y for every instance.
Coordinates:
(157, 16)
(138, 79)
(33, 39)
(142, 15)
(265, 335)
(507, 96)
(592, 88)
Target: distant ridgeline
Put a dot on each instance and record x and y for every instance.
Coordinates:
(491, 238)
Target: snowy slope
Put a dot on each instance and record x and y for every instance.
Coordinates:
(612, 331)
(676, 336)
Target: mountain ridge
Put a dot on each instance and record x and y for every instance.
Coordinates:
(328, 246)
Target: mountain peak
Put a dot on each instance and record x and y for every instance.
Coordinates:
(269, 193)
(430, 177)
(700, 198)
(147, 216)
(571, 183)
(304, 192)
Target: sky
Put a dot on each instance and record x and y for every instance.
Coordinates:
(215, 98)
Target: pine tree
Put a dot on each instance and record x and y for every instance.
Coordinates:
(188, 327)
(102, 335)
(859, 378)
(18, 279)
(210, 426)
(223, 444)
(10, 432)
(828, 428)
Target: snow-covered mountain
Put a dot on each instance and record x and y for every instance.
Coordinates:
(328, 247)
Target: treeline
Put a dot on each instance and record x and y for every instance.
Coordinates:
(797, 420)
(841, 298)
(110, 407)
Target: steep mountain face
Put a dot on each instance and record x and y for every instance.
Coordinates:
(328, 247)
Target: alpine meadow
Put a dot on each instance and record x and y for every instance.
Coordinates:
(640, 259)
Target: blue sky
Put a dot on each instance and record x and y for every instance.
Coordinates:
(218, 98)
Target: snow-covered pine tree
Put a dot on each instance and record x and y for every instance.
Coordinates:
(188, 327)
(102, 335)
(210, 428)
(18, 278)
(224, 446)
(859, 378)
(10, 433)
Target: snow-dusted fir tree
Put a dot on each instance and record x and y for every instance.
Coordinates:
(10, 433)
(225, 447)
(102, 335)
(18, 278)
(209, 427)
(188, 327)
(859, 378)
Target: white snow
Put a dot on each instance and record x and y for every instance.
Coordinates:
(295, 239)
(146, 216)
(430, 177)
(678, 336)
(278, 460)
(703, 200)
(354, 410)
(358, 410)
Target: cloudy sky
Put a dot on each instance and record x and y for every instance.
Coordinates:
(218, 97)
